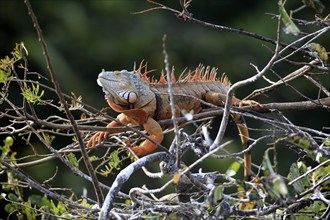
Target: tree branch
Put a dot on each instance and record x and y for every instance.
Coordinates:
(232, 89)
(98, 191)
(122, 178)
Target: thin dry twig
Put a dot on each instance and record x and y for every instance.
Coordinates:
(41, 188)
(189, 18)
(236, 85)
(123, 176)
(295, 74)
(98, 191)
(172, 104)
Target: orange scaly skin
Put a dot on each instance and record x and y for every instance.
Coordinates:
(142, 101)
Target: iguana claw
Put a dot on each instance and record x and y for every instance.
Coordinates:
(150, 125)
(97, 138)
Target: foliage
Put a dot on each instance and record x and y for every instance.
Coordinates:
(7, 64)
(207, 183)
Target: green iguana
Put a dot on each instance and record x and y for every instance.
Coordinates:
(144, 101)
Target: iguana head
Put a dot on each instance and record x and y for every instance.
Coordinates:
(125, 88)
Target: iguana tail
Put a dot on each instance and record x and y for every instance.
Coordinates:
(244, 134)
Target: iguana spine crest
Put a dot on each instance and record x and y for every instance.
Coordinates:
(200, 74)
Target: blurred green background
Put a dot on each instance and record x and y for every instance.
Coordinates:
(85, 36)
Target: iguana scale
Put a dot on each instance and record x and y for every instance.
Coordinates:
(144, 101)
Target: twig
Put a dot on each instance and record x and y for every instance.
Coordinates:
(172, 104)
(285, 106)
(122, 178)
(42, 189)
(232, 89)
(135, 190)
(295, 74)
(217, 27)
(300, 106)
(317, 84)
(299, 21)
(124, 175)
(55, 152)
(213, 151)
(308, 172)
(315, 35)
(98, 191)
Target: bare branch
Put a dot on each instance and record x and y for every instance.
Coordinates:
(42, 189)
(298, 73)
(98, 191)
(232, 89)
(122, 178)
(173, 108)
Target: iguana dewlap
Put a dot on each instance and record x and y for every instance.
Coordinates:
(142, 101)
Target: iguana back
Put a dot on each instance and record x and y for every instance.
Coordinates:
(187, 96)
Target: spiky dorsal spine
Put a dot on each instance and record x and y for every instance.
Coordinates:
(200, 74)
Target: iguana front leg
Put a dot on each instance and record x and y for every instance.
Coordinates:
(97, 138)
(156, 134)
(150, 125)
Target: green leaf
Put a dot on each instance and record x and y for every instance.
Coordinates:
(114, 163)
(289, 26)
(9, 208)
(61, 207)
(318, 51)
(86, 204)
(266, 164)
(321, 172)
(74, 138)
(39, 200)
(218, 194)
(71, 157)
(48, 138)
(32, 94)
(13, 197)
(317, 206)
(296, 170)
(53, 208)
(3, 76)
(233, 168)
(27, 210)
(279, 186)
(327, 142)
(7, 64)
(93, 158)
(300, 142)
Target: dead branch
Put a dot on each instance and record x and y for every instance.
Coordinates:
(98, 191)
(298, 73)
(122, 178)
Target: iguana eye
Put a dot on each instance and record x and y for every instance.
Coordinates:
(117, 73)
